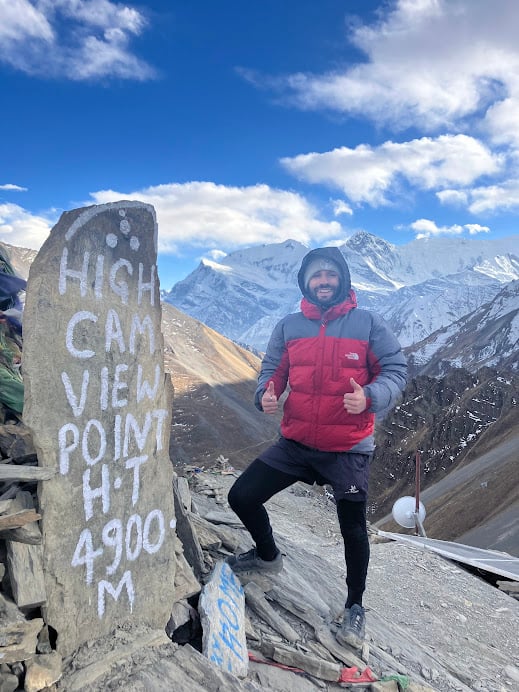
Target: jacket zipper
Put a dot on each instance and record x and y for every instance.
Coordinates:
(319, 371)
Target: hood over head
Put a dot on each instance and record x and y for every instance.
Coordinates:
(318, 259)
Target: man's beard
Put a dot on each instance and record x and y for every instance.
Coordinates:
(329, 299)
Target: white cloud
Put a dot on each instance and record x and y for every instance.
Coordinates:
(425, 228)
(475, 228)
(199, 216)
(210, 216)
(19, 21)
(21, 228)
(103, 14)
(101, 57)
(429, 63)
(215, 255)
(13, 188)
(80, 40)
(501, 122)
(486, 199)
(454, 197)
(340, 207)
(448, 66)
(492, 198)
(367, 174)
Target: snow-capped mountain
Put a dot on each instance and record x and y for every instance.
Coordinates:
(415, 312)
(488, 337)
(19, 257)
(246, 288)
(420, 287)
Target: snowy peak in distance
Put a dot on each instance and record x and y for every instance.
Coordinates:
(376, 253)
(242, 289)
(276, 263)
(19, 257)
(364, 243)
(487, 337)
(432, 258)
(372, 263)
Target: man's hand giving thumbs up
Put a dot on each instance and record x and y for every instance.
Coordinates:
(269, 400)
(356, 401)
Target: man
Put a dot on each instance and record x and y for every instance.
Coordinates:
(343, 365)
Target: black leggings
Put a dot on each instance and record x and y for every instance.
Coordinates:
(259, 482)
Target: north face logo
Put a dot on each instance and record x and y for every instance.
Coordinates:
(351, 355)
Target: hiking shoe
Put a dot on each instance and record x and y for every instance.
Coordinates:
(250, 562)
(353, 627)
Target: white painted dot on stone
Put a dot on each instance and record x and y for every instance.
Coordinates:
(117, 483)
(125, 226)
(122, 212)
(134, 243)
(111, 240)
(172, 523)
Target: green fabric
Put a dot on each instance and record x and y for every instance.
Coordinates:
(11, 382)
(11, 389)
(402, 680)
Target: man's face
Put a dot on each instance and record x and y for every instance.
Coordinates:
(323, 285)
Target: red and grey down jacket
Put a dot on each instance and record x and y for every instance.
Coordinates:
(316, 353)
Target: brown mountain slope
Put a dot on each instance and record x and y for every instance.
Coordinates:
(466, 428)
(214, 381)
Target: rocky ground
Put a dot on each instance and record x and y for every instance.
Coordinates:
(431, 625)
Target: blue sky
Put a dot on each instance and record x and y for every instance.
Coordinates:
(253, 122)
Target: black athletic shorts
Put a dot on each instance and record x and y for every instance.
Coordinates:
(346, 472)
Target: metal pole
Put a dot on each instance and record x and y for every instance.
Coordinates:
(417, 483)
(419, 529)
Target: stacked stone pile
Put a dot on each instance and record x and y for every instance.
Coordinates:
(27, 659)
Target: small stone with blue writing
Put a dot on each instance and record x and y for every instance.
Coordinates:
(222, 613)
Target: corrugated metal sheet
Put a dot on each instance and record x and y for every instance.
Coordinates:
(489, 560)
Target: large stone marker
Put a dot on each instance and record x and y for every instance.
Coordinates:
(99, 405)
